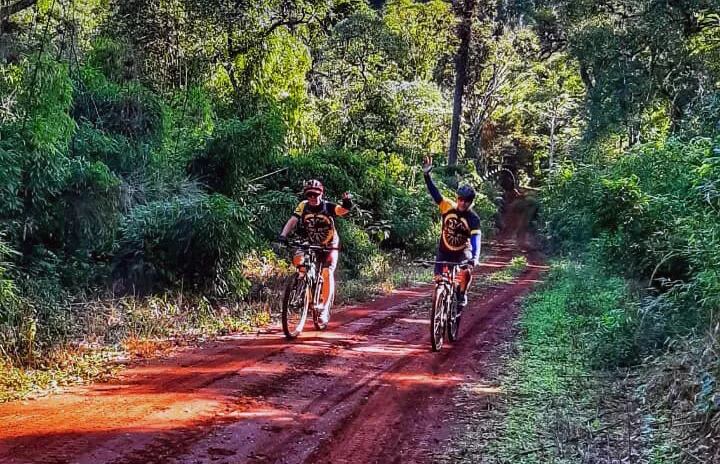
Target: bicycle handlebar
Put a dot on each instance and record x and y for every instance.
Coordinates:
(308, 246)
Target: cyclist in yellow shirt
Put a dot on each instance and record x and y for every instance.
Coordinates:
(316, 217)
(460, 234)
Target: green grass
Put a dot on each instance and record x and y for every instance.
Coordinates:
(397, 275)
(546, 379)
(517, 265)
(71, 367)
(562, 397)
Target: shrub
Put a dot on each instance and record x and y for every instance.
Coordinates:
(238, 152)
(126, 109)
(13, 313)
(184, 241)
(357, 249)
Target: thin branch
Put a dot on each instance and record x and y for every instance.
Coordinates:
(16, 7)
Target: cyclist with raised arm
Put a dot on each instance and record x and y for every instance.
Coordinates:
(460, 234)
(317, 219)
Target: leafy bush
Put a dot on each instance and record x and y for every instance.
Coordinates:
(238, 152)
(127, 109)
(357, 249)
(13, 314)
(645, 211)
(184, 241)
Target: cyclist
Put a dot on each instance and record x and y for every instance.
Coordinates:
(460, 234)
(317, 219)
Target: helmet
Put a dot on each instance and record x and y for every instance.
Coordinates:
(313, 185)
(466, 192)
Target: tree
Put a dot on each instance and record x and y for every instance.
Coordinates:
(20, 5)
(464, 10)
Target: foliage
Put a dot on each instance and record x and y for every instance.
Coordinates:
(650, 215)
(151, 148)
(192, 239)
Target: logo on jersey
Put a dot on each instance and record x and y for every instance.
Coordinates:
(319, 228)
(455, 232)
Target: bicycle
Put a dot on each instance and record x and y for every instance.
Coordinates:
(303, 291)
(444, 312)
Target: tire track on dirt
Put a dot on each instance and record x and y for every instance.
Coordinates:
(402, 422)
(290, 416)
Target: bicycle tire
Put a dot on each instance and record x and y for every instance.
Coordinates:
(316, 314)
(437, 323)
(296, 302)
(453, 318)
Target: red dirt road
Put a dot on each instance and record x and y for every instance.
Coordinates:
(366, 390)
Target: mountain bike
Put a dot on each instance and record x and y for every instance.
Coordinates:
(303, 290)
(444, 312)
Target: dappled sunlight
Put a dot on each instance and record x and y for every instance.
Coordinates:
(485, 390)
(424, 321)
(391, 350)
(260, 390)
(492, 264)
(330, 335)
(409, 380)
(262, 412)
(146, 413)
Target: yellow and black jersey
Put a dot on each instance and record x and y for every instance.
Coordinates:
(318, 222)
(457, 227)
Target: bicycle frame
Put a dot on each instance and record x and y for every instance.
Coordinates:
(309, 273)
(444, 313)
(313, 266)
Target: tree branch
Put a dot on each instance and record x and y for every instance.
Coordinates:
(16, 7)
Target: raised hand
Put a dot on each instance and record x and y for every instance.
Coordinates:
(427, 164)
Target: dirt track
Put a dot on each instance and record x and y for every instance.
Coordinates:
(366, 390)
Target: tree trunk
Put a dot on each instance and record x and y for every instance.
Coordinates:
(464, 32)
(551, 162)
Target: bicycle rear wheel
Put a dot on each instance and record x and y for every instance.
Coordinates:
(296, 302)
(437, 326)
(453, 319)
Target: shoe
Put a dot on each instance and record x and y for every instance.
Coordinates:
(324, 316)
(462, 300)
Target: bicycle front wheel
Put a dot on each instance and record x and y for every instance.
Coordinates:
(437, 315)
(296, 302)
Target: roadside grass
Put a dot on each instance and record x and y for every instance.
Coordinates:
(562, 393)
(365, 288)
(120, 330)
(67, 367)
(517, 265)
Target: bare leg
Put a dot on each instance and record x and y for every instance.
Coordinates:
(327, 294)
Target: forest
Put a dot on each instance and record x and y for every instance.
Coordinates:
(151, 151)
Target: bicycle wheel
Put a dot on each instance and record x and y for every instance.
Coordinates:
(453, 319)
(296, 302)
(437, 316)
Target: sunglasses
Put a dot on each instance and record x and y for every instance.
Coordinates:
(312, 195)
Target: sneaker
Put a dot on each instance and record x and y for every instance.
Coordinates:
(324, 316)
(324, 313)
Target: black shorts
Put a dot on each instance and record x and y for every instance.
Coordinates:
(453, 257)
